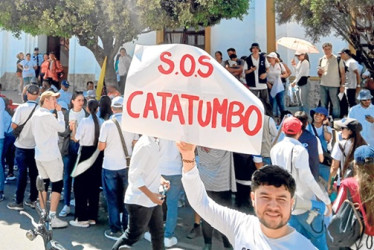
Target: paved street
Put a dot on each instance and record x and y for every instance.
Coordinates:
(13, 226)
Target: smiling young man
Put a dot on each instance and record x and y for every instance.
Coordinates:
(272, 196)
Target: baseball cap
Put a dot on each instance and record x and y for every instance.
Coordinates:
(47, 94)
(291, 125)
(349, 123)
(364, 154)
(117, 102)
(65, 83)
(272, 55)
(33, 89)
(364, 95)
(346, 51)
(319, 110)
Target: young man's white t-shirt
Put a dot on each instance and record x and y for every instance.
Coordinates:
(351, 80)
(242, 230)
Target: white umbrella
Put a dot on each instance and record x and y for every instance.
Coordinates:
(297, 45)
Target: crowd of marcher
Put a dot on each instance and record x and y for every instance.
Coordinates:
(74, 141)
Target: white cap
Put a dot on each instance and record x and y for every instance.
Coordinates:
(117, 102)
(272, 55)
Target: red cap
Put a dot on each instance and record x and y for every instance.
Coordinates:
(291, 126)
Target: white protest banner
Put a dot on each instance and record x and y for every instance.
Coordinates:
(179, 92)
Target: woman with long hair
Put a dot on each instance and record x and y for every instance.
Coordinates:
(342, 153)
(76, 114)
(362, 192)
(301, 78)
(89, 162)
(105, 109)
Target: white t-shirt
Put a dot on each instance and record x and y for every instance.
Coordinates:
(144, 171)
(351, 80)
(26, 139)
(337, 153)
(76, 116)
(114, 157)
(306, 186)
(171, 160)
(242, 230)
(86, 131)
(45, 128)
(256, 64)
(274, 77)
(358, 112)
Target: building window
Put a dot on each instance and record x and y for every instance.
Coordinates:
(186, 36)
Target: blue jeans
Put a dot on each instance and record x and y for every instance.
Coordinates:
(69, 162)
(8, 151)
(2, 172)
(278, 103)
(304, 96)
(331, 93)
(315, 231)
(172, 197)
(114, 185)
(26, 165)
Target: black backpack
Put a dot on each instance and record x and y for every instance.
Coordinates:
(346, 226)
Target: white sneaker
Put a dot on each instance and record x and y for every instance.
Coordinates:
(76, 223)
(65, 211)
(72, 203)
(57, 223)
(169, 242)
(147, 236)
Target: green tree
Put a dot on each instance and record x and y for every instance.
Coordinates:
(353, 20)
(113, 22)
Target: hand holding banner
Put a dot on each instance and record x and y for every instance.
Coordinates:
(179, 92)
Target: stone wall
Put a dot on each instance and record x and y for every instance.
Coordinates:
(314, 89)
(79, 81)
(9, 81)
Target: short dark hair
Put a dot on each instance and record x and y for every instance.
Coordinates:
(273, 175)
(89, 82)
(303, 117)
(219, 52)
(231, 49)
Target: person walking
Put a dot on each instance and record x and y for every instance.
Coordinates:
(115, 169)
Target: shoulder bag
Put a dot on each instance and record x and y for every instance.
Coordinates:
(17, 131)
(128, 158)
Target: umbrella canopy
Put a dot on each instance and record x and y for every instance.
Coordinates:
(297, 44)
